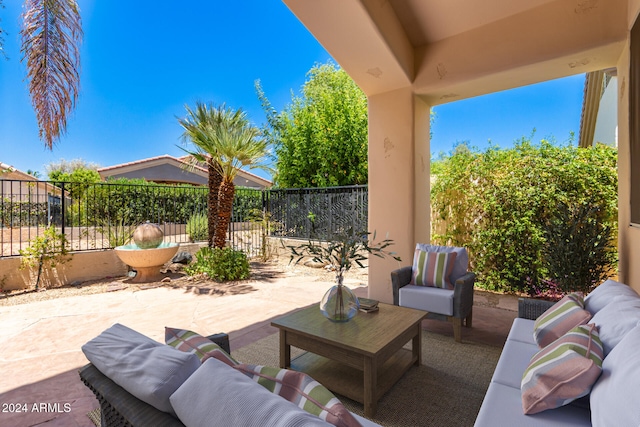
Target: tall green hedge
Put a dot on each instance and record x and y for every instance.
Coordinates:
(497, 202)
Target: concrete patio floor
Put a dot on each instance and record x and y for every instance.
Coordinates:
(41, 341)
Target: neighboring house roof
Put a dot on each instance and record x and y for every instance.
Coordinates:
(17, 175)
(167, 169)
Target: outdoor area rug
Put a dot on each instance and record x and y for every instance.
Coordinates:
(447, 390)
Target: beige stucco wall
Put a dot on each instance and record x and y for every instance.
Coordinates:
(398, 180)
(629, 237)
(84, 266)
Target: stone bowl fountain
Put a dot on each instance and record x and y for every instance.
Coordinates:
(148, 254)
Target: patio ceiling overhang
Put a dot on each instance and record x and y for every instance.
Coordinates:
(447, 50)
(410, 55)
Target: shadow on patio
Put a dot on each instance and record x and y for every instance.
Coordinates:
(41, 352)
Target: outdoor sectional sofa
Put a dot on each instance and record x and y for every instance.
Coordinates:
(613, 399)
(210, 394)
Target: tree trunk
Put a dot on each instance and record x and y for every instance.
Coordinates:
(215, 179)
(225, 206)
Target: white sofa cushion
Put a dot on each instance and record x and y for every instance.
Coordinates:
(522, 330)
(147, 369)
(616, 319)
(605, 294)
(434, 300)
(218, 395)
(502, 407)
(461, 265)
(513, 361)
(614, 397)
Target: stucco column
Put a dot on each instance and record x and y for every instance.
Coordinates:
(398, 181)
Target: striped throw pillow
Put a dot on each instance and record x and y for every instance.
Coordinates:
(191, 342)
(433, 269)
(302, 390)
(560, 318)
(563, 371)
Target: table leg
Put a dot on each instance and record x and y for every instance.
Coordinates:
(417, 345)
(285, 350)
(370, 386)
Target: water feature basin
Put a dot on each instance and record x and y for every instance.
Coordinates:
(146, 262)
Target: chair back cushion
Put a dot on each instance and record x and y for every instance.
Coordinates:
(461, 264)
(432, 269)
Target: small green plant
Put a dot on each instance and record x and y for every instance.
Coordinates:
(119, 233)
(197, 227)
(45, 252)
(345, 250)
(220, 264)
(267, 227)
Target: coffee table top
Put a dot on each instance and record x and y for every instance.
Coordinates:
(366, 333)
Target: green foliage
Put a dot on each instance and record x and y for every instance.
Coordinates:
(268, 227)
(45, 252)
(75, 183)
(496, 203)
(579, 252)
(118, 231)
(343, 251)
(320, 139)
(220, 264)
(134, 201)
(197, 227)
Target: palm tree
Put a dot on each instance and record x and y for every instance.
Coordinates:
(51, 34)
(205, 127)
(238, 148)
(1, 36)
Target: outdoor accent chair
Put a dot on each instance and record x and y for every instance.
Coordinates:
(437, 282)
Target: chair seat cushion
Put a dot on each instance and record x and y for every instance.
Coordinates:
(433, 300)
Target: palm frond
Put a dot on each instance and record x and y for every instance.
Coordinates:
(51, 34)
(2, 52)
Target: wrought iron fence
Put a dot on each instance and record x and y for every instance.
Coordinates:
(103, 215)
(318, 213)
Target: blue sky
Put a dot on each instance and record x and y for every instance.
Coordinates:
(143, 60)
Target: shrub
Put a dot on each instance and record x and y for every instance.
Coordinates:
(578, 253)
(45, 252)
(197, 227)
(220, 264)
(497, 202)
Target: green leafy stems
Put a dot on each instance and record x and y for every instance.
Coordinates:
(343, 251)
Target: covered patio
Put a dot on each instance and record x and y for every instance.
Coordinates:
(411, 55)
(41, 354)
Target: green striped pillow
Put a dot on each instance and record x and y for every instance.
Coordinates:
(192, 342)
(433, 269)
(302, 390)
(563, 371)
(563, 316)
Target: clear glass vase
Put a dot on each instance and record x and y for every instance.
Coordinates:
(339, 304)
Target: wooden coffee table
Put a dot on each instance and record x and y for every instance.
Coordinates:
(360, 359)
